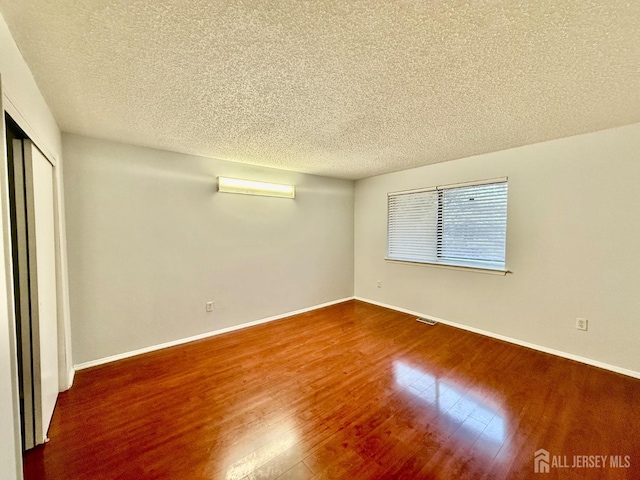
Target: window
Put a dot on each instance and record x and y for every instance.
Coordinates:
(461, 225)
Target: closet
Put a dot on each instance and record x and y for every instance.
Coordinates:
(33, 248)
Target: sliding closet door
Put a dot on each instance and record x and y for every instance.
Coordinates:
(22, 296)
(38, 306)
(44, 265)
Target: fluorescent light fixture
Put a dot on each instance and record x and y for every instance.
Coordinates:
(250, 187)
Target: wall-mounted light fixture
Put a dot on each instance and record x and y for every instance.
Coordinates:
(250, 187)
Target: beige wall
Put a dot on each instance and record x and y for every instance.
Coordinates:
(22, 99)
(572, 244)
(150, 241)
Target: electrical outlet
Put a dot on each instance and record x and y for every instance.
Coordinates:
(581, 323)
(379, 283)
(209, 306)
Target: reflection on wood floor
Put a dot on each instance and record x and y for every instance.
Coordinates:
(351, 391)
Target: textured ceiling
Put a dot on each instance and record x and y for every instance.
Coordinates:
(345, 88)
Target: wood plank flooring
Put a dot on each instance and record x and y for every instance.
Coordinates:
(351, 391)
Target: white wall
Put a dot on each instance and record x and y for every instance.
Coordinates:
(150, 241)
(572, 244)
(22, 99)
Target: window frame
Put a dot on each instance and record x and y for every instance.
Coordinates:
(448, 263)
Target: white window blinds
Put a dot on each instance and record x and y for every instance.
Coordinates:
(463, 225)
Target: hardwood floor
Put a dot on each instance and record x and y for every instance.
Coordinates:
(352, 391)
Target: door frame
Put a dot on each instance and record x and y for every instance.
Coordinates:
(65, 362)
(7, 299)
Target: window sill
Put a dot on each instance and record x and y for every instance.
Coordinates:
(490, 271)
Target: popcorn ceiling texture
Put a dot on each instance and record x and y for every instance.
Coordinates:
(345, 88)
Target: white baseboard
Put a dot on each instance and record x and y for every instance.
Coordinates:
(559, 353)
(120, 356)
(70, 377)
